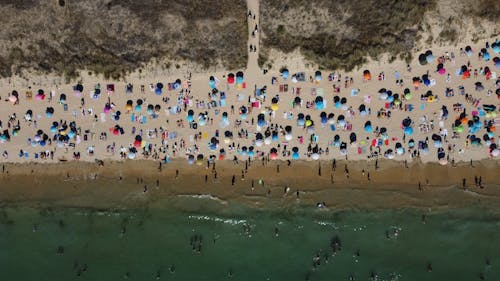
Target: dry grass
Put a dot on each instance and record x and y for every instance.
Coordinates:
(114, 37)
(348, 30)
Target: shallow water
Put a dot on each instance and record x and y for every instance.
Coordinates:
(242, 244)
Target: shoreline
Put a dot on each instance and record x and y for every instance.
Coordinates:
(88, 185)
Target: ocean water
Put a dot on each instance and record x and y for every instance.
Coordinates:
(211, 241)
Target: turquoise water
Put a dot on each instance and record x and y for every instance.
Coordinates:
(234, 243)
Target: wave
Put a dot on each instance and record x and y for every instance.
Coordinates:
(217, 219)
(202, 196)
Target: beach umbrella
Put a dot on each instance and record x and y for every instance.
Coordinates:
(259, 139)
(274, 136)
(49, 112)
(28, 115)
(406, 122)
(295, 153)
(486, 56)
(323, 117)
(422, 59)
(389, 154)
(468, 50)
(128, 105)
(495, 152)
(495, 47)
(367, 75)
(352, 137)
(297, 101)
(79, 87)
(230, 78)
(368, 127)
(273, 155)
(190, 116)
(317, 75)
(261, 122)
(239, 77)
(191, 159)
(443, 161)
(211, 82)
(496, 60)
(150, 109)
(429, 57)
(12, 99)
(202, 119)
(284, 73)
(288, 133)
(319, 104)
(399, 149)
(479, 86)
(300, 120)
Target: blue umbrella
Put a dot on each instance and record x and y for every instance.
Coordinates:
(317, 75)
(368, 127)
(285, 73)
(408, 131)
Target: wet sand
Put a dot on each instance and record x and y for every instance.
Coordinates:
(139, 184)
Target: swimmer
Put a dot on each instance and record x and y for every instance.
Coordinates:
(351, 277)
(61, 224)
(429, 267)
(276, 232)
(145, 189)
(126, 275)
(60, 250)
(158, 275)
(230, 273)
(172, 268)
(35, 227)
(372, 276)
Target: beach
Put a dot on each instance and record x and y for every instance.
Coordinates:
(214, 126)
(140, 184)
(183, 168)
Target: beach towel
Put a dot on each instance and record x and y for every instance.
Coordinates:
(103, 117)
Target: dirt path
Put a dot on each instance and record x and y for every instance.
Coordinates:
(253, 36)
